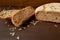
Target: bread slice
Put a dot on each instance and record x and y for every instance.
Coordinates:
(22, 16)
(8, 13)
(48, 12)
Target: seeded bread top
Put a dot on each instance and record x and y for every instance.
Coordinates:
(55, 7)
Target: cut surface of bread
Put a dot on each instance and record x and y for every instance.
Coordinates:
(8, 13)
(22, 16)
(48, 12)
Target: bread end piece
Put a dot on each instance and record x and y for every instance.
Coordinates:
(48, 12)
(22, 16)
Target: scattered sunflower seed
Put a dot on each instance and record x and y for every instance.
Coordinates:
(34, 22)
(12, 33)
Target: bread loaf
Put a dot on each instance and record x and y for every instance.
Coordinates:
(22, 16)
(48, 12)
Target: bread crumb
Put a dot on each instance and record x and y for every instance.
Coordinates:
(18, 37)
(55, 25)
(20, 29)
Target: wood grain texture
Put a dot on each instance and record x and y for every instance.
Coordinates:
(41, 31)
(24, 3)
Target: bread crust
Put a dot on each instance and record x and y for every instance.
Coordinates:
(23, 15)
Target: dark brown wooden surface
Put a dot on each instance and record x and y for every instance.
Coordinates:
(41, 31)
(24, 3)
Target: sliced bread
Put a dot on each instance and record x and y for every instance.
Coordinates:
(22, 16)
(48, 12)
